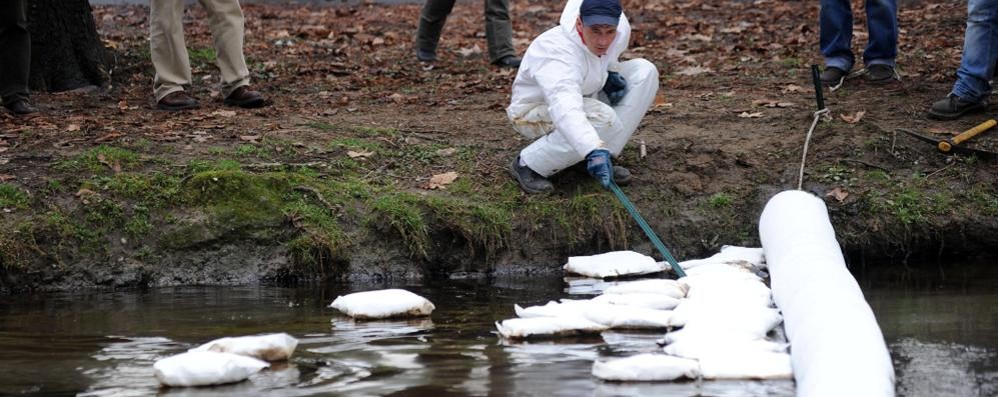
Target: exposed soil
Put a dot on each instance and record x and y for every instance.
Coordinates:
(726, 134)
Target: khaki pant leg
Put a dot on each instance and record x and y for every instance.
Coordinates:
(225, 17)
(167, 48)
(498, 29)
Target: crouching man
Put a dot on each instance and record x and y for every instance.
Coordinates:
(576, 99)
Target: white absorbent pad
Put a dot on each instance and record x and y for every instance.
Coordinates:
(747, 364)
(204, 368)
(614, 264)
(611, 316)
(646, 367)
(730, 254)
(387, 303)
(645, 300)
(270, 347)
(518, 328)
(711, 345)
(667, 287)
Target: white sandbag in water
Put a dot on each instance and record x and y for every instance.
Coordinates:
(836, 345)
(571, 308)
(614, 264)
(270, 347)
(646, 367)
(730, 254)
(611, 316)
(645, 300)
(518, 328)
(628, 317)
(204, 368)
(746, 364)
(387, 303)
(745, 322)
(698, 347)
(671, 288)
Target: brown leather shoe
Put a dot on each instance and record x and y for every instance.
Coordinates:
(20, 107)
(177, 100)
(245, 98)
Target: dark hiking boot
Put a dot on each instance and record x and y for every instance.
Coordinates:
(530, 181)
(880, 74)
(621, 175)
(833, 76)
(245, 98)
(177, 100)
(953, 107)
(20, 107)
(426, 56)
(508, 61)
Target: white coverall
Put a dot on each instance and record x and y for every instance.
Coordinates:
(554, 96)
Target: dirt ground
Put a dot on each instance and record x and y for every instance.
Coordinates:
(726, 132)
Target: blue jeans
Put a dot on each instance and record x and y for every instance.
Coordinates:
(980, 51)
(836, 33)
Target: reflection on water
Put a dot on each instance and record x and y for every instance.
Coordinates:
(104, 344)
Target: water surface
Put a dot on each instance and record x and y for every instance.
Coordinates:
(943, 342)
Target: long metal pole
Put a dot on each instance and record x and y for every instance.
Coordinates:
(647, 229)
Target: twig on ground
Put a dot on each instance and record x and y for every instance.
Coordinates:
(880, 167)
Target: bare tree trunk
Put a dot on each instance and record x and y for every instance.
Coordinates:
(66, 52)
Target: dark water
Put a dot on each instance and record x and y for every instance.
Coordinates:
(944, 342)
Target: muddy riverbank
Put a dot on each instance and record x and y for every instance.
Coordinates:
(336, 179)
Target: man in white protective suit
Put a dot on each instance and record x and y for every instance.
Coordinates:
(576, 99)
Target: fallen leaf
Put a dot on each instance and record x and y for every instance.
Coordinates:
(224, 113)
(249, 138)
(694, 71)
(747, 115)
(469, 51)
(361, 154)
(446, 152)
(769, 103)
(440, 181)
(72, 127)
(85, 192)
(838, 194)
(6, 177)
(853, 119)
(109, 136)
(791, 88)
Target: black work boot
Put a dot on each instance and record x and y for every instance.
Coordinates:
(530, 181)
(880, 74)
(621, 175)
(833, 76)
(952, 107)
(20, 107)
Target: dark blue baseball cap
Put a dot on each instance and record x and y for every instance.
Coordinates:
(600, 12)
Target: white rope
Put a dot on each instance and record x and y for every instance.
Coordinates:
(807, 141)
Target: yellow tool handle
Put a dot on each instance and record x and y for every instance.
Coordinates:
(947, 144)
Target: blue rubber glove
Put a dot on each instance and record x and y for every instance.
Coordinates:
(615, 87)
(598, 165)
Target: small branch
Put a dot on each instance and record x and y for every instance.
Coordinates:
(871, 165)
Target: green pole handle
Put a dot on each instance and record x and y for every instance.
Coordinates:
(647, 229)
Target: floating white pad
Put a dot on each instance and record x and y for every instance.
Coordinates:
(746, 364)
(614, 264)
(270, 347)
(836, 345)
(204, 368)
(707, 346)
(730, 254)
(667, 287)
(611, 316)
(646, 367)
(517, 328)
(387, 303)
(645, 300)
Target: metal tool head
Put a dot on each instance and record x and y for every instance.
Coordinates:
(939, 143)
